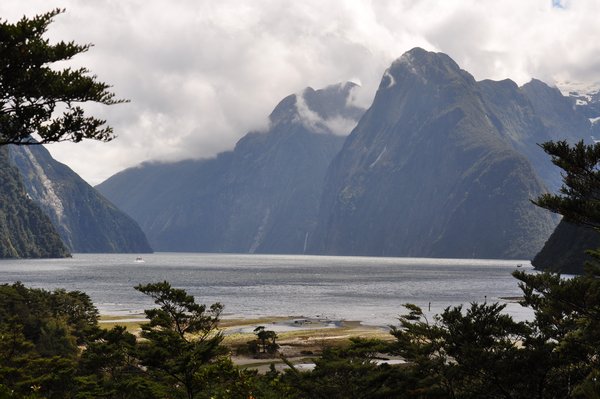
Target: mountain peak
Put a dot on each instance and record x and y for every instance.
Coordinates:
(418, 57)
(427, 66)
(540, 87)
(537, 84)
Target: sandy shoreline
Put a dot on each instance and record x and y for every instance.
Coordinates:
(282, 325)
(300, 338)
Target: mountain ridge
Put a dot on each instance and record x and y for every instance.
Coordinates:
(428, 123)
(473, 143)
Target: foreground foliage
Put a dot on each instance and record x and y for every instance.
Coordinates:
(181, 346)
(40, 334)
(52, 347)
(578, 200)
(33, 90)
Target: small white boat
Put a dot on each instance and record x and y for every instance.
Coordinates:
(139, 259)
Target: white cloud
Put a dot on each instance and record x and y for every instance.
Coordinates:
(306, 116)
(336, 124)
(339, 125)
(200, 74)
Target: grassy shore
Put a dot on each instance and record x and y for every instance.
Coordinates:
(300, 339)
(133, 323)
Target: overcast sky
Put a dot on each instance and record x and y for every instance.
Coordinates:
(200, 74)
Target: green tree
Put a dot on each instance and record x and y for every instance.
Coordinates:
(78, 311)
(349, 372)
(38, 339)
(567, 314)
(480, 352)
(568, 310)
(16, 351)
(578, 200)
(47, 316)
(32, 91)
(109, 368)
(182, 344)
(484, 353)
(267, 339)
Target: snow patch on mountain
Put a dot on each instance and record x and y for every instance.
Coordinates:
(378, 157)
(578, 89)
(408, 61)
(387, 75)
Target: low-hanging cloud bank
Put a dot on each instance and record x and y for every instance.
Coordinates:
(200, 74)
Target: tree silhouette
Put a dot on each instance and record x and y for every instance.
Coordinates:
(33, 90)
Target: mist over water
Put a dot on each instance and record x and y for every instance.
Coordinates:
(372, 290)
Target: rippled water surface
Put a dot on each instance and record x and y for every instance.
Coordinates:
(353, 288)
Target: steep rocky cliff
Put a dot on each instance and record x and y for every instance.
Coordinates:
(85, 220)
(25, 231)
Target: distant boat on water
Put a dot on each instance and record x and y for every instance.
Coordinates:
(139, 259)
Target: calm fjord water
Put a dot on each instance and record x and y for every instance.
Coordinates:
(352, 288)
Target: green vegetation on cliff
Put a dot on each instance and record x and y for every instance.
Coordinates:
(85, 220)
(25, 231)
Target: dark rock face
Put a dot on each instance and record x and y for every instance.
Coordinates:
(513, 116)
(261, 197)
(25, 231)
(85, 220)
(565, 250)
(170, 200)
(426, 172)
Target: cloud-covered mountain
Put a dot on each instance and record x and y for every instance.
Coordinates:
(439, 165)
(247, 55)
(261, 197)
(85, 221)
(433, 169)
